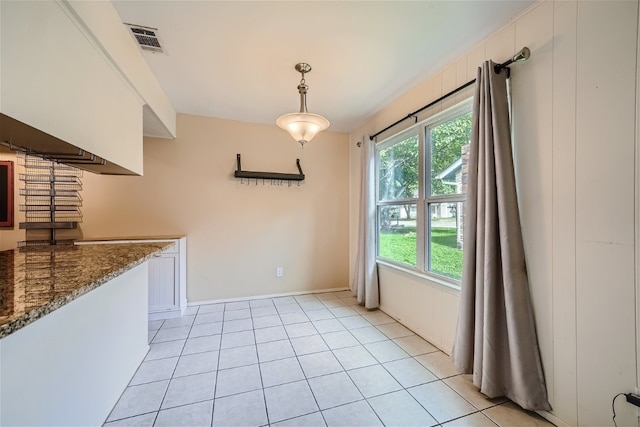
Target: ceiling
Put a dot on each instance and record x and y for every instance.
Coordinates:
(235, 59)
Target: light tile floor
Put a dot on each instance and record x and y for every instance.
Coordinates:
(308, 360)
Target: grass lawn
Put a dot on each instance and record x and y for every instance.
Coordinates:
(446, 258)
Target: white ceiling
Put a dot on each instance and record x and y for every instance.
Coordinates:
(235, 59)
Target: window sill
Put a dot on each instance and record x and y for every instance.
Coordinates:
(431, 278)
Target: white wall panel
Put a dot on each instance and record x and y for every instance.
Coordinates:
(430, 320)
(501, 46)
(606, 363)
(436, 92)
(449, 83)
(605, 114)
(449, 317)
(424, 307)
(394, 297)
(637, 212)
(563, 380)
(475, 58)
(463, 77)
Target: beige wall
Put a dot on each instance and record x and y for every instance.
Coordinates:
(575, 129)
(237, 234)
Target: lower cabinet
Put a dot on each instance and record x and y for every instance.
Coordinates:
(167, 280)
(167, 277)
(167, 298)
(164, 295)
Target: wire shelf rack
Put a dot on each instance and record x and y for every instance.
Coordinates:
(62, 189)
(39, 164)
(51, 199)
(49, 178)
(56, 200)
(56, 216)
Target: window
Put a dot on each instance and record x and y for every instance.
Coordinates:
(421, 190)
(398, 189)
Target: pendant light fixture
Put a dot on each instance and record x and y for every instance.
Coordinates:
(303, 126)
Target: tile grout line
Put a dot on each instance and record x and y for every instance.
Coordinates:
(215, 385)
(264, 396)
(289, 339)
(129, 383)
(306, 378)
(164, 396)
(344, 369)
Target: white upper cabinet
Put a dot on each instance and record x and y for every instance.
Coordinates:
(62, 77)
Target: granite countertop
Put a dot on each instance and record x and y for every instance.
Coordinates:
(128, 238)
(35, 281)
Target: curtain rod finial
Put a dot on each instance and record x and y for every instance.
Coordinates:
(523, 55)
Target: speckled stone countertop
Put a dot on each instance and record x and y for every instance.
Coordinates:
(36, 281)
(128, 238)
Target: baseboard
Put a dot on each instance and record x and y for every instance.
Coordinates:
(552, 419)
(284, 294)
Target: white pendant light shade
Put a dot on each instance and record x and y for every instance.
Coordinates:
(302, 126)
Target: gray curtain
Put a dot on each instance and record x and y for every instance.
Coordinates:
(365, 281)
(496, 338)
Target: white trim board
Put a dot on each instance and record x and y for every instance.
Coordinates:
(284, 294)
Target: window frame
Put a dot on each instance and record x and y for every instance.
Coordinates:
(387, 143)
(424, 198)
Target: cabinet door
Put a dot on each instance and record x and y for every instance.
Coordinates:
(163, 292)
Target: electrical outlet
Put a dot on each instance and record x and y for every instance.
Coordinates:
(279, 271)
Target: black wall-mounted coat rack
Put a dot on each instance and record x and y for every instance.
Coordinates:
(269, 175)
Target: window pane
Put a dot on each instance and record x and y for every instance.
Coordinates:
(398, 170)
(445, 239)
(449, 154)
(397, 233)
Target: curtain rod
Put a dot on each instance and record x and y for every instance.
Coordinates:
(523, 55)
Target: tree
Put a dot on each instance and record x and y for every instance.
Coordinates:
(399, 170)
(399, 164)
(447, 140)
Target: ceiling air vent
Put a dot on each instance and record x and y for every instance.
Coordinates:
(146, 37)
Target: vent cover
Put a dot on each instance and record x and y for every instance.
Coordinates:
(146, 37)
